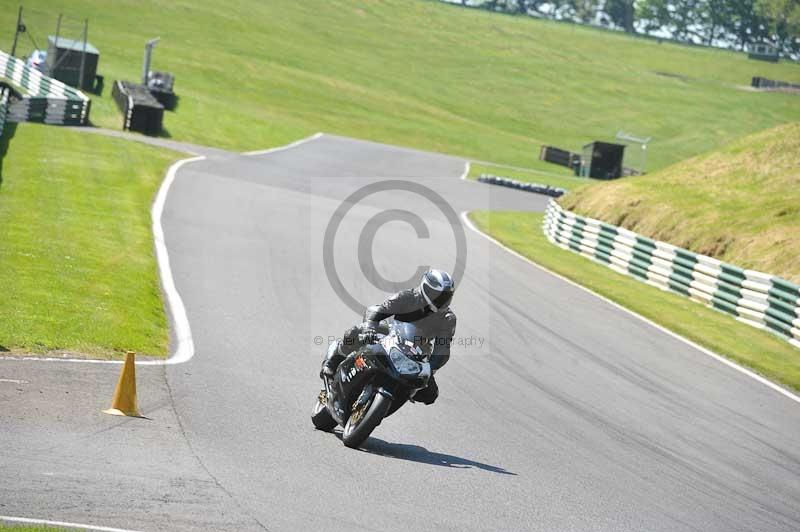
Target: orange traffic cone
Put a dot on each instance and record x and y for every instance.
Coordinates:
(124, 402)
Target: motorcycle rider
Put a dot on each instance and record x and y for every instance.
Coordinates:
(427, 306)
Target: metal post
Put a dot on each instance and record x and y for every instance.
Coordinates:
(148, 52)
(58, 27)
(83, 56)
(53, 60)
(146, 65)
(16, 32)
(644, 157)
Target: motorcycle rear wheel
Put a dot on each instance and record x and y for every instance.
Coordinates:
(356, 431)
(321, 418)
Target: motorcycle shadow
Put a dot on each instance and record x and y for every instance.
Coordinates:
(417, 453)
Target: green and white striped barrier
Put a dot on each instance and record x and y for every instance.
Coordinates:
(3, 107)
(44, 99)
(755, 298)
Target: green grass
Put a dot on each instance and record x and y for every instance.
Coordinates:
(740, 204)
(77, 266)
(566, 181)
(252, 74)
(30, 528)
(760, 350)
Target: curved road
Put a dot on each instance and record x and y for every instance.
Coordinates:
(557, 410)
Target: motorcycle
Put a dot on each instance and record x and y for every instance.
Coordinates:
(373, 382)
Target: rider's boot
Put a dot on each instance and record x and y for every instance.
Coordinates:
(332, 360)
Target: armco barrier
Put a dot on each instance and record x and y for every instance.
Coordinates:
(44, 99)
(519, 185)
(764, 83)
(4, 93)
(756, 298)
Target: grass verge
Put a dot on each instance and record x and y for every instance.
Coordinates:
(553, 179)
(757, 349)
(253, 74)
(739, 204)
(77, 266)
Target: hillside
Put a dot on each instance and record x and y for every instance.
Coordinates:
(740, 204)
(252, 74)
(256, 74)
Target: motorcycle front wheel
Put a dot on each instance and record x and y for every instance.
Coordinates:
(320, 417)
(361, 423)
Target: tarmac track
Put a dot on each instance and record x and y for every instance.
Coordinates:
(571, 414)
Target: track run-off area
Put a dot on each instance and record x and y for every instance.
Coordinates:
(557, 411)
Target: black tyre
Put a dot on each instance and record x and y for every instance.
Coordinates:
(320, 417)
(360, 426)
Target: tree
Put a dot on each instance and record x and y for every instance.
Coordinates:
(783, 19)
(745, 25)
(715, 18)
(621, 14)
(584, 10)
(507, 6)
(736, 23)
(687, 20)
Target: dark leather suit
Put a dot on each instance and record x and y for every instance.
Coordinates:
(439, 326)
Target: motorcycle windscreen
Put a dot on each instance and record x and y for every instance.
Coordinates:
(412, 339)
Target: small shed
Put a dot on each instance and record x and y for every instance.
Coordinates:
(602, 160)
(764, 52)
(64, 61)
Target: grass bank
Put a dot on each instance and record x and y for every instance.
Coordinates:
(719, 332)
(253, 74)
(740, 204)
(77, 266)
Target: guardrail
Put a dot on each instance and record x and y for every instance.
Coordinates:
(4, 93)
(755, 298)
(45, 99)
(764, 83)
(519, 185)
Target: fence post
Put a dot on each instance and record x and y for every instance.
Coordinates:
(16, 32)
(83, 55)
(148, 51)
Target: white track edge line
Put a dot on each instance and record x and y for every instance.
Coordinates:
(783, 391)
(61, 523)
(183, 332)
(294, 144)
(466, 171)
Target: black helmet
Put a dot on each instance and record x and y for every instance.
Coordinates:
(437, 288)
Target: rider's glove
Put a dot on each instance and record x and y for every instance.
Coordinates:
(368, 337)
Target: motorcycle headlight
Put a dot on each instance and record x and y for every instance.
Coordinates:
(402, 363)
